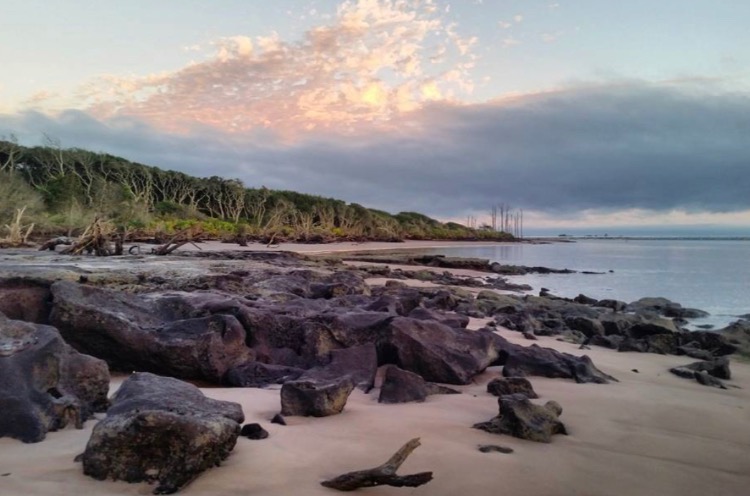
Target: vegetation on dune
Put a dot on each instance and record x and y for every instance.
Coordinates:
(62, 191)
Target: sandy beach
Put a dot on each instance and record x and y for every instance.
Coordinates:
(650, 434)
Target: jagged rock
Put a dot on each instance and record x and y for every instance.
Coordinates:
(691, 349)
(500, 386)
(637, 345)
(614, 305)
(521, 361)
(520, 418)
(161, 429)
(402, 386)
(733, 338)
(253, 431)
(451, 320)
(718, 368)
(259, 375)
(435, 351)
(160, 334)
(612, 342)
(44, 383)
(315, 399)
(585, 300)
(359, 363)
(278, 419)
(25, 299)
(665, 307)
(706, 379)
(651, 326)
(588, 326)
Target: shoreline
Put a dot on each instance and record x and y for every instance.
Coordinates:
(650, 433)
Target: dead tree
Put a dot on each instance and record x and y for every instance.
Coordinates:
(385, 474)
(178, 240)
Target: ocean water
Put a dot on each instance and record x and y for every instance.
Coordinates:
(712, 275)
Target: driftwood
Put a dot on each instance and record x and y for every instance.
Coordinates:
(178, 240)
(17, 238)
(50, 244)
(385, 474)
(95, 239)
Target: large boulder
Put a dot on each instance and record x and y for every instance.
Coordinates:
(521, 418)
(665, 307)
(44, 383)
(435, 351)
(310, 398)
(163, 430)
(164, 334)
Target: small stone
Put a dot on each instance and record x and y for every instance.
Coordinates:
(278, 419)
(253, 431)
(489, 448)
(635, 370)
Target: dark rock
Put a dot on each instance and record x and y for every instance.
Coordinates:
(665, 307)
(585, 300)
(651, 326)
(637, 345)
(44, 383)
(500, 386)
(315, 399)
(451, 320)
(614, 305)
(731, 339)
(401, 386)
(662, 344)
(436, 352)
(25, 299)
(706, 379)
(253, 431)
(635, 370)
(161, 429)
(278, 419)
(718, 368)
(533, 360)
(611, 342)
(692, 350)
(588, 326)
(493, 448)
(530, 336)
(259, 375)
(358, 363)
(159, 334)
(520, 418)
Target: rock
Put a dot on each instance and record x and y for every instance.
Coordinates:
(278, 419)
(259, 375)
(451, 320)
(588, 326)
(733, 338)
(358, 363)
(401, 386)
(315, 399)
(665, 307)
(435, 351)
(493, 448)
(521, 361)
(614, 305)
(706, 379)
(718, 368)
(520, 418)
(25, 299)
(160, 334)
(161, 429)
(611, 342)
(44, 383)
(651, 326)
(585, 300)
(637, 345)
(511, 385)
(691, 349)
(253, 431)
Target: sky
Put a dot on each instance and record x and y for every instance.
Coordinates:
(586, 114)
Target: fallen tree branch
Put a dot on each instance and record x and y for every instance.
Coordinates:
(385, 474)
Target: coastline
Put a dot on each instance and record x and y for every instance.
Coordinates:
(651, 433)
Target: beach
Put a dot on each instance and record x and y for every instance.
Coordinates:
(650, 433)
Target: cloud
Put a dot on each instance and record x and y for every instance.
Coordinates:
(601, 149)
(366, 66)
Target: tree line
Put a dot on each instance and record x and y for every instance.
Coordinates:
(63, 189)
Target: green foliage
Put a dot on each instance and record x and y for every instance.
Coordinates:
(71, 186)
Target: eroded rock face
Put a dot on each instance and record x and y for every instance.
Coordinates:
(315, 399)
(163, 430)
(25, 299)
(521, 418)
(44, 383)
(402, 386)
(156, 333)
(435, 351)
(501, 386)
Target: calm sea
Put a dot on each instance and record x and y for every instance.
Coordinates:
(713, 275)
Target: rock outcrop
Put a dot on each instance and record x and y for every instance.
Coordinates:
(502, 386)
(401, 386)
(44, 383)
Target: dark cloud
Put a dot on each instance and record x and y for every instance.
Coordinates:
(606, 148)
